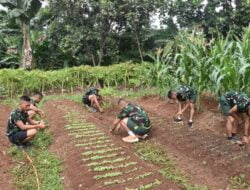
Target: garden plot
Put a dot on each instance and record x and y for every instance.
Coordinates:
(110, 165)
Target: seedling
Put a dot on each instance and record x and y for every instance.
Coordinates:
(100, 157)
(156, 182)
(103, 151)
(99, 147)
(120, 181)
(107, 168)
(121, 159)
(114, 174)
(93, 143)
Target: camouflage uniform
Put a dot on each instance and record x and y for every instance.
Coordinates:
(14, 133)
(90, 91)
(185, 93)
(231, 99)
(138, 120)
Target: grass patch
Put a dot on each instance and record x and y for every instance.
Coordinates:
(153, 152)
(239, 182)
(48, 166)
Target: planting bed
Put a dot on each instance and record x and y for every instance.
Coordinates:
(203, 153)
(93, 158)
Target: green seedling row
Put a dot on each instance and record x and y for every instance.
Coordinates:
(91, 140)
(93, 143)
(100, 157)
(120, 181)
(79, 128)
(156, 182)
(114, 174)
(81, 124)
(83, 130)
(99, 147)
(107, 168)
(82, 133)
(121, 159)
(103, 151)
(90, 135)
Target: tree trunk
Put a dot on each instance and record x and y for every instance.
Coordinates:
(139, 46)
(26, 49)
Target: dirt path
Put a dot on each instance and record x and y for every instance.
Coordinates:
(5, 159)
(93, 158)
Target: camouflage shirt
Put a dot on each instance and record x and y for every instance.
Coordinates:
(15, 116)
(185, 93)
(137, 114)
(91, 91)
(239, 99)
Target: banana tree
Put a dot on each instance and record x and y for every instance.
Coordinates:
(24, 11)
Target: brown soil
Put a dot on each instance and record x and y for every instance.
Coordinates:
(76, 174)
(203, 152)
(5, 159)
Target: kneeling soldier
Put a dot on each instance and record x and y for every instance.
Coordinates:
(134, 120)
(91, 99)
(21, 128)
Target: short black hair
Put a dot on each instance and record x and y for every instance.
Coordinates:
(25, 98)
(38, 94)
(121, 99)
(170, 93)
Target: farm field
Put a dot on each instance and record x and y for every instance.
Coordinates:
(92, 158)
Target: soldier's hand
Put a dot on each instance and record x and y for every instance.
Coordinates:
(42, 126)
(42, 114)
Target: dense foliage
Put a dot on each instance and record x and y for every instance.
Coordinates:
(219, 66)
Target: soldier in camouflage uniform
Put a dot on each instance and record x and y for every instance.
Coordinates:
(134, 120)
(21, 128)
(35, 99)
(234, 104)
(91, 99)
(184, 94)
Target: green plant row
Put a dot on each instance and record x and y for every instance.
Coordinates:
(79, 133)
(91, 140)
(99, 146)
(156, 182)
(93, 143)
(107, 168)
(89, 135)
(120, 181)
(114, 174)
(100, 157)
(18, 81)
(116, 160)
(102, 151)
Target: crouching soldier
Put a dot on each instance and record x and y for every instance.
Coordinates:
(134, 120)
(21, 128)
(235, 106)
(91, 99)
(186, 98)
(34, 100)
